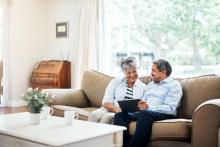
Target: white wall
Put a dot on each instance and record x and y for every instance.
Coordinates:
(26, 44)
(31, 38)
(62, 11)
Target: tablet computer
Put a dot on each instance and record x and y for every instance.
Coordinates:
(130, 105)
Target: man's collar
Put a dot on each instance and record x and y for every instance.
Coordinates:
(168, 79)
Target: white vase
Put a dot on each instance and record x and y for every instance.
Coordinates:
(35, 118)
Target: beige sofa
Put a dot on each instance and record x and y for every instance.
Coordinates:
(198, 122)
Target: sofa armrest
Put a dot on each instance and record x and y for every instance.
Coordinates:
(69, 97)
(205, 124)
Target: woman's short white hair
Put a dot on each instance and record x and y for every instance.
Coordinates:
(128, 63)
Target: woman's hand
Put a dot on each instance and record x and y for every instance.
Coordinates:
(111, 107)
(142, 105)
(117, 109)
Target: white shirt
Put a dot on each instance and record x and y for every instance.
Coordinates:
(116, 90)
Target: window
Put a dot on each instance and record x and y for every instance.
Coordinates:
(1, 52)
(1, 31)
(186, 33)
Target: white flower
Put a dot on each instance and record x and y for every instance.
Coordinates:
(36, 98)
(42, 91)
(29, 89)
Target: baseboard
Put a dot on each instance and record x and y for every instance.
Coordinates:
(16, 103)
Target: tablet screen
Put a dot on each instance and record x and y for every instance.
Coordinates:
(130, 105)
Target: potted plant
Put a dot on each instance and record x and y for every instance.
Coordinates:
(36, 99)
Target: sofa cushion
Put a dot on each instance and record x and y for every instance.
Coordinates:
(171, 129)
(83, 112)
(94, 85)
(196, 91)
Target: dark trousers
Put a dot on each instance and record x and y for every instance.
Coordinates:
(145, 119)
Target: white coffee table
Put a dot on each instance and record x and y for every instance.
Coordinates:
(16, 130)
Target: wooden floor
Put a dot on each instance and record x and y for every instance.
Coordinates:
(8, 110)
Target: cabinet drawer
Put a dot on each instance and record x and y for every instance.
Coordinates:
(44, 81)
(43, 75)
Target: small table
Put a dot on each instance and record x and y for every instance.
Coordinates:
(16, 130)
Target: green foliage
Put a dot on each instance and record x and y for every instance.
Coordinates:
(36, 99)
(196, 23)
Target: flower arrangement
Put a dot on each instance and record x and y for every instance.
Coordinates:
(36, 99)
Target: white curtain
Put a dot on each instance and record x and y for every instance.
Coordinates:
(88, 36)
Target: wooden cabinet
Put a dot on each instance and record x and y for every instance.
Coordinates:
(51, 74)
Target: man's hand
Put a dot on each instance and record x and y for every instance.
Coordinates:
(142, 105)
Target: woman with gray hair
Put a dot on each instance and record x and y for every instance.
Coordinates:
(128, 87)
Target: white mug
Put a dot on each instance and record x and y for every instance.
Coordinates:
(69, 116)
(46, 111)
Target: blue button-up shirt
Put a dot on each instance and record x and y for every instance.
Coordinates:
(164, 97)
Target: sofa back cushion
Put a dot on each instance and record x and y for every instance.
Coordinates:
(94, 85)
(196, 91)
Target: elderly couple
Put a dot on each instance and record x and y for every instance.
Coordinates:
(159, 100)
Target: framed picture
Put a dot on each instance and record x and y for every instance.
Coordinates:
(62, 29)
